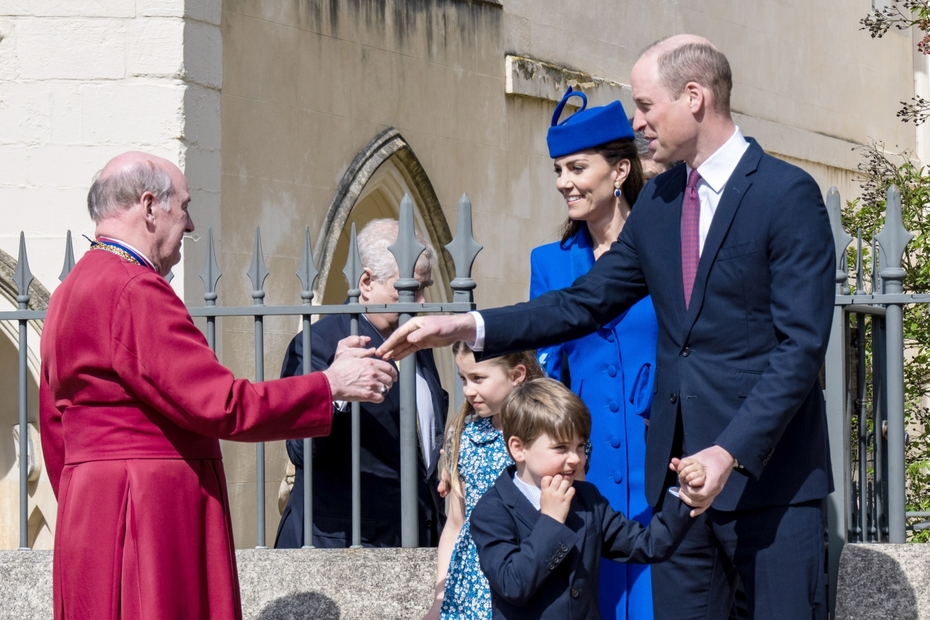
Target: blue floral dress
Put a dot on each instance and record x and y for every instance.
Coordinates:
(482, 458)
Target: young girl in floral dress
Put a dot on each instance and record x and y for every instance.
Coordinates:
(475, 456)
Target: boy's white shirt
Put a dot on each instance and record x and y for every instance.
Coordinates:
(529, 491)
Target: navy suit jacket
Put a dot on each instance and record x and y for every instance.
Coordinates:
(740, 367)
(540, 568)
(380, 457)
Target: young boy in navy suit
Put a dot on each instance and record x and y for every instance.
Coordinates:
(541, 530)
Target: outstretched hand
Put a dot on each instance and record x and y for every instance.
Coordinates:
(427, 332)
(356, 374)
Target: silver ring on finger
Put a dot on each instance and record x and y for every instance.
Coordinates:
(384, 389)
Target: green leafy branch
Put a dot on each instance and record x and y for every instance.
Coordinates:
(901, 15)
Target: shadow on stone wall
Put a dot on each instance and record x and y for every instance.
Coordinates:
(883, 581)
(301, 606)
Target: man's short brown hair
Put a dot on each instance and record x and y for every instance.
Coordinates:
(544, 406)
(696, 62)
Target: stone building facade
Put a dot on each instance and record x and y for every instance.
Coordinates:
(297, 113)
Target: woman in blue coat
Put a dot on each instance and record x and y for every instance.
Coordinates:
(599, 174)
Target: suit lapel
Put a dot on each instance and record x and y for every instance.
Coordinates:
(734, 191)
(520, 506)
(365, 328)
(665, 212)
(427, 366)
(392, 402)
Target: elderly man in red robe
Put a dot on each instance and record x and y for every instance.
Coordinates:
(133, 403)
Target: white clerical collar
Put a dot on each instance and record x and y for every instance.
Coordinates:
(717, 169)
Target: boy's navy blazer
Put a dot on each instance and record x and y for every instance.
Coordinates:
(741, 365)
(540, 568)
(380, 456)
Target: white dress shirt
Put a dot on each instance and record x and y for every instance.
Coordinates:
(529, 491)
(715, 172)
(426, 418)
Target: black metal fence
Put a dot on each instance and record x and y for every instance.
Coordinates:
(866, 421)
(869, 466)
(406, 250)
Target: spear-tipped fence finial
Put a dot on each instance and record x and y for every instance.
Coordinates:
(841, 238)
(893, 238)
(406, 250)
(258, 272)
(463, 249)
(353, 268)
(307, 271)
(22, 277)
(210, 274)
(69, 258)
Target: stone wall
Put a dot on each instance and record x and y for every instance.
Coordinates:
(79, 83)
(314, 584)
(83, 81)
(876, 582)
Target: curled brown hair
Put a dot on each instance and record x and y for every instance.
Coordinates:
(456, 424)
(615, 152)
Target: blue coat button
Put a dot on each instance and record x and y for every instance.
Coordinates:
(618, 476)
(612, 371)
(614, 441)
(614, 406)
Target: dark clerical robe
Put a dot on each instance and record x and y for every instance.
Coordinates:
(133, 403)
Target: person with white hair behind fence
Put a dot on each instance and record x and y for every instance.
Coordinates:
(133, 403)
(380, 422)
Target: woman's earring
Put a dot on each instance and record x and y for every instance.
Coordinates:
(617, 192)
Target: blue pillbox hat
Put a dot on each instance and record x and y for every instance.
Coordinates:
(586, 128)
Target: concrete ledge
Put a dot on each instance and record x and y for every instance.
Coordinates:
(883, 581)
(336, 584)
(875, 581)
(528, 77)
(25, 585)
(311, 584)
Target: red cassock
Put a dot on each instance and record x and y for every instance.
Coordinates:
(132, 405)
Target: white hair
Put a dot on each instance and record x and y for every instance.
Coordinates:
(125, 188)
(373, 242)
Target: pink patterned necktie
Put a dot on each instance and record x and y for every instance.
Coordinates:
(690, 234)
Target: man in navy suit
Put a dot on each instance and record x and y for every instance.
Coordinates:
(380, 423)
(738, 358)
